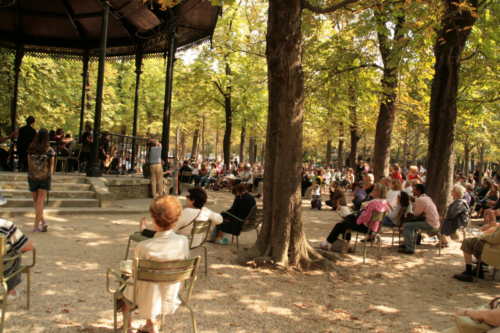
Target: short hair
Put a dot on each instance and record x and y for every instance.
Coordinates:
(59, 131)
(166, 210)
(397, 184)
(370, 175)
(414, 182)
(335, 182)
(396, 167)
(154, 142)
(381, 189)
(199, 197)
(30, 120)
(459, 189)
(414, 167)
(470, 187)
(240, 188)
(420, 188)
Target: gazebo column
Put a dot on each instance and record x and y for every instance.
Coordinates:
(85, 75)
(168, 96)
(94, 170)
(17, 69)
(138, 71)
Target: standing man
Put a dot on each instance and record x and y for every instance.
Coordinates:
(16, 242)
(26, 135)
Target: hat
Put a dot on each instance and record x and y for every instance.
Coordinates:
(2, 200)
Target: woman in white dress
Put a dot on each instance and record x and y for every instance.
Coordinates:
(154, 298)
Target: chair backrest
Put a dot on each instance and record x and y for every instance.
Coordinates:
(200, 229)
(377, 216)
(186, 176)
(165, 271)
(78, 147)
(402, 213)
(443, 216)
(3, 243)
(253, 220)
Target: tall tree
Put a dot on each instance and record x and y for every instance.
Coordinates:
(456, 24)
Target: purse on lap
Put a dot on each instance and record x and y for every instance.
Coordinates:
(466, 324)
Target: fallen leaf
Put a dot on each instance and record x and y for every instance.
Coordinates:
(81, 300)
(67, 304)
(65, 310)
(89, 280)
(48, 311)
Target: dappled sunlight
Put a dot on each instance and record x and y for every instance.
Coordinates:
(387, 294)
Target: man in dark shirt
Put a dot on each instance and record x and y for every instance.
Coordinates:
(26, 135)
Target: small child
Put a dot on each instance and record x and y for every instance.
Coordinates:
(342, 209)
(316, 195)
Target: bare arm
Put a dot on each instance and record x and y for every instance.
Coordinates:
(51, 166)
(490, 317)
(28, 247)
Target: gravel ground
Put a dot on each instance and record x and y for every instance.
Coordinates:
(398, 293)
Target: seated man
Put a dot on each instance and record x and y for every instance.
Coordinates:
(488, 202)
(423, 205)
(484, 248)
(16, 242)
(336, 196)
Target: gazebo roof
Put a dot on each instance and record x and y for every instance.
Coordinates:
(67, 28)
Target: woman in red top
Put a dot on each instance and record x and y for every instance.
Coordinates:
(413, 174)
(395, 174)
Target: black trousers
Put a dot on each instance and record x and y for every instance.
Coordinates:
(148, 233)
(305, 185)
(340, 229)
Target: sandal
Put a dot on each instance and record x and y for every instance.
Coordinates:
(145, 329)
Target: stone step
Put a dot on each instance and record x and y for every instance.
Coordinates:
(55, 186)
(23, 177)
(55, 193)
(53, 202)
(7, 213)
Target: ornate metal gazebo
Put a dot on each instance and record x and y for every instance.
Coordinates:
(93, 30)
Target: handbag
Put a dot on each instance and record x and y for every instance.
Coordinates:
(466, 324)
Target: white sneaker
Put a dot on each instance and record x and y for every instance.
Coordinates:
(12, 298)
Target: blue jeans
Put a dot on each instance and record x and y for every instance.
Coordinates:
(409, 234)
(388, 222)
(204, 180)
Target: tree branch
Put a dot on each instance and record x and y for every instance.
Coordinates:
(357, 67)
(307, 5)
(216, 100)
(473, 54)
(219, 87)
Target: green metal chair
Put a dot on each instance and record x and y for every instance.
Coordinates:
(467, 226)
(184, 180)
(436, 230)
(200, 228)
(78, 147)
(155, 271)
(251, 223)
(402, 215)
(136, 237)
(376, 216)
(4, 279)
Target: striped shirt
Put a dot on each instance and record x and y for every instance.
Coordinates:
(16, 240)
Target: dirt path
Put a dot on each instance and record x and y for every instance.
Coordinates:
(399, 293)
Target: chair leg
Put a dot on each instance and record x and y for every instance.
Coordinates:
(440, 242)
(29, 287)
(206, 263)
(379, 249)
(343, 244)
(161, 322)
(237, 244)
(128, 247)
(415, 238)
(115, 313)
(356, 243)
(4, 305)
(478, 265)
(393, 234)
(125, 320)
(364, 252)
(192, 318)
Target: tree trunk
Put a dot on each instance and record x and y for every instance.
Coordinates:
(282, 237)
(203, 148)
(255, 151)
(397, 155)
(217, 145)
(328, 152)
(340, 154)
(183, 145)
(355, 137)
(385, 122)
(448, 49)
(414, 161)
(481, 159)
(194, 150)
(226, 144)
(263, 154)
(242, 143)
(250, 150)
(405, 152)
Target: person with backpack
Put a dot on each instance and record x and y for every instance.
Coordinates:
(41, 167)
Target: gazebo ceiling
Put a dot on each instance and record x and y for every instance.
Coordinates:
(66, 28)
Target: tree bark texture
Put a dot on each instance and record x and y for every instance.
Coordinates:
(340, 154)
(194, 151)
(355, 136)
(448, 51)
(328, 152)
(414, 160)
(183, 145)
(242, 143)
(282, 237)
(250, 150)
(385, 122)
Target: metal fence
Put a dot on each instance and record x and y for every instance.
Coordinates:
(127, 154)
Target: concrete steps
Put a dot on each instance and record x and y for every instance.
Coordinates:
(55, 193)
(55, 186)
(53, 202)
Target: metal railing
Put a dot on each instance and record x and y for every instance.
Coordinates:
(127, 154)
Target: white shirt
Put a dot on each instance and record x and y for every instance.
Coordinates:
(409, 190)
(188, 215)
(392, 199)
(317, 190)
(327, 175)
(154, 298)
(246, 174)
(195, 172)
